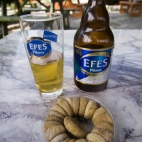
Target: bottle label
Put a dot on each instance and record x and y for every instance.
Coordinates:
(92, 66)
(38, 46)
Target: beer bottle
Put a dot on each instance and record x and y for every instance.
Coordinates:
(93, 46)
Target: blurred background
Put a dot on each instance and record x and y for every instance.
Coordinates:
(123, 14)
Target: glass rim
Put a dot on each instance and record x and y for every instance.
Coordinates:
(40, 17)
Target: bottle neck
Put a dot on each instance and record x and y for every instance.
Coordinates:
(93, 3)
(96, 12)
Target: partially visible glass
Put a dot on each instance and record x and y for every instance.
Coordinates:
(44, 42)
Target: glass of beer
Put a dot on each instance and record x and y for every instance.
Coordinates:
(44, 42)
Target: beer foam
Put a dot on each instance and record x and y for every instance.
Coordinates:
(52, 57)
(40, 33)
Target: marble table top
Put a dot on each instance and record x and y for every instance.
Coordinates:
(22, 111)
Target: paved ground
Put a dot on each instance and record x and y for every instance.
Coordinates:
(117, 21)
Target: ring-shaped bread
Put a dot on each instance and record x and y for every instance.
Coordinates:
(61, 117)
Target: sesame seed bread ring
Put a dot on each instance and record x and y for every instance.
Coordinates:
(54, 118)
(90, 109)
(56, 113)
(48, 124)
(105, 125)
(105, 117)
(75, 105)
(100, 110)
(70, 100)
(66, 106)
(71, 140)
(108, 136)
(68, 118)
(82, 106)
(80, 140)
(59, 138)
(59, 109)
(72, 125)
(66, 140)
(54, 131)
(94, 137)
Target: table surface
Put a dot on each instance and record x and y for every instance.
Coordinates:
(22, 111)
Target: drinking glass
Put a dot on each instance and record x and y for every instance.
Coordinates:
(44, 43)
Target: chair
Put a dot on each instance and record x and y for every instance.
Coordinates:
(133, 8)
(124, 6)
(136, 9)
(64, 13)
(77, 9)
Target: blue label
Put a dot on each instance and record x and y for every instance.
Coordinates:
(38, 47)
(90, 62)
(95, 62)
(50, 36)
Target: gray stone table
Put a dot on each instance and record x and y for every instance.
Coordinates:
(22, 111)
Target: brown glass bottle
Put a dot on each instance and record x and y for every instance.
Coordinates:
(93, 46)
